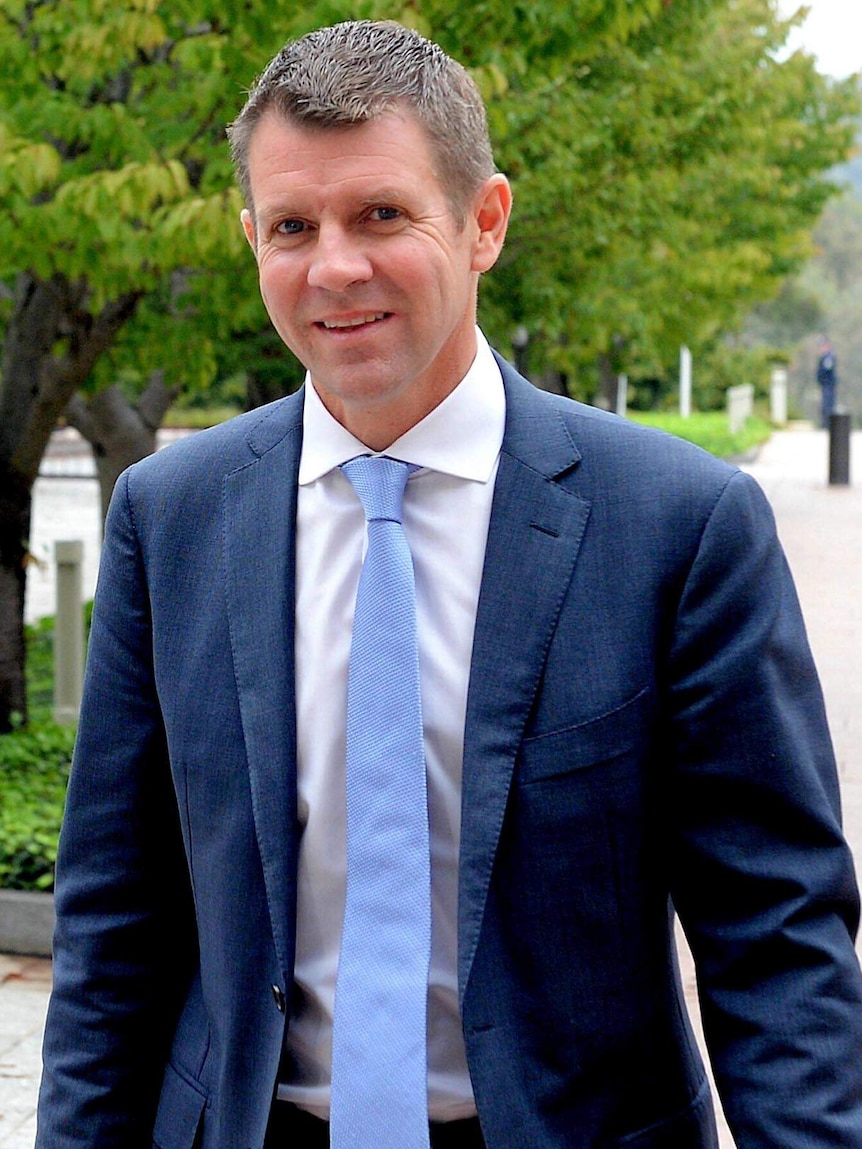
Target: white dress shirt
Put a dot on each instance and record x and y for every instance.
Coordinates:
(447, 506)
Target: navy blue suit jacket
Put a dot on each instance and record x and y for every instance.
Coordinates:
(644, 731)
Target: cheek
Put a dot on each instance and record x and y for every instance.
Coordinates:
(279, 275)
(278, 292)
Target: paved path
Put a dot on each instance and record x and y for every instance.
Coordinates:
(24, 988)
(821, 529)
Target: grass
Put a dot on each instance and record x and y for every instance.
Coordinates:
(710, 430)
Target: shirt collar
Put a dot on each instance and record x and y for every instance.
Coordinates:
(462, 436)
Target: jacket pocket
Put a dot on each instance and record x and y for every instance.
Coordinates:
(605, 738)
(692, 1128)
(179, 1113)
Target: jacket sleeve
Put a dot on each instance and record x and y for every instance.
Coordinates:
(762, 877)
(124, 941)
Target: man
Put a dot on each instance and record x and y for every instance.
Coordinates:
(827, 379)
(620, 718)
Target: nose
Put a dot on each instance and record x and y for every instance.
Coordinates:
(338, 260)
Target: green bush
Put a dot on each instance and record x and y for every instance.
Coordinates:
(34, 769)
(40, 669)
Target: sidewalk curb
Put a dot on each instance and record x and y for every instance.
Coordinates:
(26, 922)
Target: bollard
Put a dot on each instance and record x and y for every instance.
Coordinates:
(622, 394)
(778, 397)
(839, 448)
(68, 633)
(684, 382)
(740, 406)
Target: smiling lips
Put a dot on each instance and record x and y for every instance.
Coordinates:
(357, 321)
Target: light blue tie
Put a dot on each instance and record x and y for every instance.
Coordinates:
(379, 1045)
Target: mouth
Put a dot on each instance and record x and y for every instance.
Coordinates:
(353, 322)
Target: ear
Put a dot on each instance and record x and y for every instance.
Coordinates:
(491, 209)
(248, 227)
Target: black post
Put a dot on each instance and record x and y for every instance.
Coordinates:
(839, 448)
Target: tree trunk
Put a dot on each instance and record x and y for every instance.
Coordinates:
(119, 432)
(551, 380)
(264, 387)
(35, 385)
(14, 530)
(606, 395)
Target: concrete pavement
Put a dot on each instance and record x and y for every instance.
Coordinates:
(821, 529)
(24, 987)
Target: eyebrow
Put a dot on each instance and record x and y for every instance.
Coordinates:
(387, 194)
(383, 195)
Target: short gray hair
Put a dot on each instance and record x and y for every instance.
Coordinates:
(353, 72)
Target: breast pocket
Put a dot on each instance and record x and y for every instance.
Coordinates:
(619, 732)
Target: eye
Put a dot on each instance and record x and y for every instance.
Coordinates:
(385, 214)
(290, 227)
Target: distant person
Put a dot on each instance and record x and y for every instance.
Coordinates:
(827, 378)
(286, 920)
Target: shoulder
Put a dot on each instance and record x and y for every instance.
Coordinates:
(608, 449)
(215, 452)
(182, 486)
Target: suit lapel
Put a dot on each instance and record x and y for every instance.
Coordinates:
(259, 546)
(535, 531)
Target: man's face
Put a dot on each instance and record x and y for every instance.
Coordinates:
(364, 271)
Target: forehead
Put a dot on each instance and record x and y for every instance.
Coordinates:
(286, 155)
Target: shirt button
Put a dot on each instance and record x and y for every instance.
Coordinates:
(278, 997)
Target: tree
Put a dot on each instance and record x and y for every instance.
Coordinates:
(120, 431)
(821, 299)
(834, 277)
(638, 134)
(110, 180)
(678, 189)
(37, 384)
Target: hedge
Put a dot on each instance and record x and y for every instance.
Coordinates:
(34, 770)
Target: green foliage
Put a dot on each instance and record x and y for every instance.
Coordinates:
(795, 312)
(667, 166)
(667, 189)
(822, 299)
(710, 430)
(850, 173)
(834, 277)
(728, 364)
(40, 667)
(34, 768)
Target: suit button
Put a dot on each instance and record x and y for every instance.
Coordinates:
(278, 997)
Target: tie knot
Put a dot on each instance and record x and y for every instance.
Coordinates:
(379, 482)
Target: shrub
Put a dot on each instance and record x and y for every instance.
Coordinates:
(34, 769)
